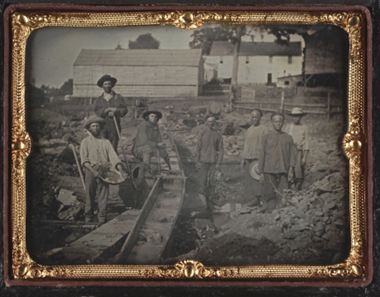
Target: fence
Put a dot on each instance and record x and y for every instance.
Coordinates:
(320, 109)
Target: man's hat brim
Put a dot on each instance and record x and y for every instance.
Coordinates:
(92, 120)
(104, 78)
(297, 114)
(147, 113)
(253, 170)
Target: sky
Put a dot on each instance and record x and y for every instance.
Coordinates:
(52, 51)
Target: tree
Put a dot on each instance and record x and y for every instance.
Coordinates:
(67, 87)
(144, 41)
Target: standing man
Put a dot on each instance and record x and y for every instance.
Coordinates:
(276, 164)
(97, 152)
(251, 152)
(110, 105)
(209, 156)
(300, 135)
(147, 141)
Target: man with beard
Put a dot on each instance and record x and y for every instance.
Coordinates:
(209, 156)
(276, 164)
(108, 106)
(252, 145)
(96, 153)
(300, 135)
(147, 141)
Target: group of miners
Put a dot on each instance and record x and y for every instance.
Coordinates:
(272, 158)
(99, 149)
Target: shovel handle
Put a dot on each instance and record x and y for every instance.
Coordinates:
(80, 170)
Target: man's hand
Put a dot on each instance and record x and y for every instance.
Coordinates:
(261, 178)
(217, 166)
(124, 174)
(303, 162)
(291, 175)
(161, 145)
(111, 113)
(199, 165)
(94, 172)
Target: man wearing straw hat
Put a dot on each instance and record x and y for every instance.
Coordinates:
(252, 146)
(276, 164)
(209, 156)
(97, 152)
(110, 105)
(147, 141)
(301, 140)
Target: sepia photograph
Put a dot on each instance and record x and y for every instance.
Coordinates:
(153, 145)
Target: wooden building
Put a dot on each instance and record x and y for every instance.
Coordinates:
(259, 62)
(326, 57)
(140, 73)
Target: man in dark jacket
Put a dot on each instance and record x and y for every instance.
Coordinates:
(110, 105)
(276, 164)
(147, 141)
(209, 156)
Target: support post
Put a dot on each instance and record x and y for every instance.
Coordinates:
(282, 102)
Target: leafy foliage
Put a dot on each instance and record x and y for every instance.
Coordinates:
(144, 41)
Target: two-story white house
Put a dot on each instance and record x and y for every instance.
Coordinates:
(259, 62)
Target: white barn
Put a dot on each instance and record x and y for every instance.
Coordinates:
(140, 73)
(259, 62)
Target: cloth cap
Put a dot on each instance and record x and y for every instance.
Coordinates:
(297, 111)
(253, 170)
(277, 114)
(94, 119)
(147, 113)
(257, 109)
(211, 119)
(106, 78)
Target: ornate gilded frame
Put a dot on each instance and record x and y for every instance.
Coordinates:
(355, 270)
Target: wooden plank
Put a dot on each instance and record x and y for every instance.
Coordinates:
(159, 224)
(91, 246)
(133, 235)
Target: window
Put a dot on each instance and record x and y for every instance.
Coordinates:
(270, 61)
(286, 83)
(269, 78)
(246, 60)
(221, 60)
(289, 59)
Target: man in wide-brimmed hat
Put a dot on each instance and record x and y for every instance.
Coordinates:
(252, 145)
(300, 135)
(276, 164)
(97, 152)
(209, 156)
(148, 141)
(110, 105)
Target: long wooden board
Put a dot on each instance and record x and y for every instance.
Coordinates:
(90, 247)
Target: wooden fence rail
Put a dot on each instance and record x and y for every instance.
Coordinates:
(314, 108)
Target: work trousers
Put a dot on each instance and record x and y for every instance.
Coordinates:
(109, 132)
(95, 187)
(273, 189)
(205, 174)
(144, 154)
(299, 169)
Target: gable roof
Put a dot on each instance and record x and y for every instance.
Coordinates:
(225, 48)
(139, 57)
